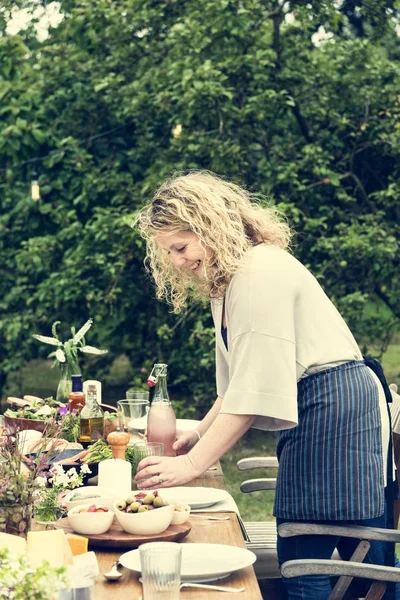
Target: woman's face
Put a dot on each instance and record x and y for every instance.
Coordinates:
(185, 251)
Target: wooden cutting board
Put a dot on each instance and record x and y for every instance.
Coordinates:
(116, 537)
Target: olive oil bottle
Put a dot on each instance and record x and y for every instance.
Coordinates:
(92, 415)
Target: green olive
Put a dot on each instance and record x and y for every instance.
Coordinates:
(149, 499)
(158, 502)
(143, 508)
(130, 499)
(134, 506)
(121, 505)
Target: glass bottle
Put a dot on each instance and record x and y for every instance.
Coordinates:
(76, 397)
(161, 421)
(91, 426)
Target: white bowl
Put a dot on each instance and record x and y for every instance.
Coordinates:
(106, 496)
(151, 522)
(180, 516)
(92, 523)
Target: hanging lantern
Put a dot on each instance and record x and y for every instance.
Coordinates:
(35, 187)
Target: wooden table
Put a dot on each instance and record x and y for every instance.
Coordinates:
(203, 531)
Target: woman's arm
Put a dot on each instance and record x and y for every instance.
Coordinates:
(165, 471)
(186, 440)
(225, 431)
(210, 417)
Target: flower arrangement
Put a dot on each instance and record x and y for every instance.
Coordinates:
(19, 476)
(18, 581)
(48, 500)
(67, 354)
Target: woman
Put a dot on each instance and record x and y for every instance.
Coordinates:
(285, 360)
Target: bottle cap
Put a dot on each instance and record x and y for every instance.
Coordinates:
(76, 383)
(152, 381)
(97, 384)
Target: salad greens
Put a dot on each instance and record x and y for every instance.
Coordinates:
(39, 410)
(100, 450)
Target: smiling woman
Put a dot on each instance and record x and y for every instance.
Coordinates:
(201, 217)
(185, 251)
(285, 360)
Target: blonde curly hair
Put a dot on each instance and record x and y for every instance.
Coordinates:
(226, 220)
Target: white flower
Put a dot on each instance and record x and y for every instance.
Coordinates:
(92, 350)
(41, 481)
(83, 330)
(46, 339)
(85, 469)
(60, 356)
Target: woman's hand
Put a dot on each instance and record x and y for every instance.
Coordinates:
(165, 471)
(185, 440)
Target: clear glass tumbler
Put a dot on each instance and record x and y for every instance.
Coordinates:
(132, 414)
(143, 449)
(161, 570)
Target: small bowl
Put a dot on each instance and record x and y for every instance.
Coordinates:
(92, 523)
(105, 496)
(145, 523)
(180, 516)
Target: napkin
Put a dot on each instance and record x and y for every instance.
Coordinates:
(226, 505)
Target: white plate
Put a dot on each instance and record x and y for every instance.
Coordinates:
(138, 424)
(202, 562)
(196, 497)
(186, 424)
(181, 424)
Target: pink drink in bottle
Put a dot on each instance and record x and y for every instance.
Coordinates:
(161, 421)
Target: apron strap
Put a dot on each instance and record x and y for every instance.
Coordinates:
(391, 490)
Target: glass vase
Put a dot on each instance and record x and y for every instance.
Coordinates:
(64, 387)
(15, 518)
(47, 509)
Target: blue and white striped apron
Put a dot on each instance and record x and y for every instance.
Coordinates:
(330, 465)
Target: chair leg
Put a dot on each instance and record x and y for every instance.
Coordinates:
(343, 582)
(376, 591)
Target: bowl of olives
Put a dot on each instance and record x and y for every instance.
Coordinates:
(181, 514)
(143, 513)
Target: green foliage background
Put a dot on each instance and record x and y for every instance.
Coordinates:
(312, 125)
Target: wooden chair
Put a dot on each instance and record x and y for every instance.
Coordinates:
(345, 570)
(260, 536)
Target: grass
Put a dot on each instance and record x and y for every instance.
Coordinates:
(391, 363)
(256, 506)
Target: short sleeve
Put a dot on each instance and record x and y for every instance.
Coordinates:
(262, 381)
(222, 371)
(260, 312)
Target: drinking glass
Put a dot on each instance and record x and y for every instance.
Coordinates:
(81, 589)
(161, 570)
(137, 394)
(132, 414)
(143, 449)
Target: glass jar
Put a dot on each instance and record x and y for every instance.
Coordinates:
(15, 518)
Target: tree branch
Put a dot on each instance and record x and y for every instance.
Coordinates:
(302, 123)
(382, 296)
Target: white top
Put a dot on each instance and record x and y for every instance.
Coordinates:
(281, 327)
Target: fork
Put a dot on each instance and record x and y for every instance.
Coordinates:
(209, 518)
(206, 586)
